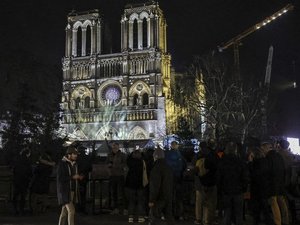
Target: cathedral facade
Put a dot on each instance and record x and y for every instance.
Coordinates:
(120, 96)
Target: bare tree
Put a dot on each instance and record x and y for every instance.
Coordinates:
(227, 105)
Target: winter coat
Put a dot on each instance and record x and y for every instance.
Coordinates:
(65, 181)
(211, 164)
(161, 182)
(258, 178)
(232, 175)
(118, 162)
(276, 174)
(176, 161)
(134, 178)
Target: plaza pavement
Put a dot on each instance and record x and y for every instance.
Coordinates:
(51, 218)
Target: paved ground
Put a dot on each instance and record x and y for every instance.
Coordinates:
(51, 218)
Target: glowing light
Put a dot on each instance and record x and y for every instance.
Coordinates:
(279, 14)
(264, 23)
(294, 84)
(284, 11)
(257, 27)
(294, 145)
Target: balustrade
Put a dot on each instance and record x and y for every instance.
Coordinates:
(92, 117)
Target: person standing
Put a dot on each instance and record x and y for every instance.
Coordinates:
(161, 187)
(207, 176)
(177, 163)
(232, 181)
(116, 162)
(136, 180)
(22, 173)
(41, 182)
(257, 165)
(288, 158)
(276, 184)
(67, 186)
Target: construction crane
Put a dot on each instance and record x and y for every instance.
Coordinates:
(235, 42)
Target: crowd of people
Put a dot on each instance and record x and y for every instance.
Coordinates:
(150, 184)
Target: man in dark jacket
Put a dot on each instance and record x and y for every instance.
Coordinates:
(136, 180)
(116, 162)
(161, 186)
(276, 184)
(22, 174)
(178, 165)
(67, 186)
(208, 182)
(258, 186)
(232, 182)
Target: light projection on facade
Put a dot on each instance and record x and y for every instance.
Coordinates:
(125, 95)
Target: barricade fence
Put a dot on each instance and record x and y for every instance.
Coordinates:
(98, 194)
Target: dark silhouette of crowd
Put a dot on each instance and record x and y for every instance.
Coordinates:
(149, 184)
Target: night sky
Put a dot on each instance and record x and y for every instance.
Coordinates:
(195, 27)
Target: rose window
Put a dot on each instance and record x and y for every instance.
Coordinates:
(111, 95)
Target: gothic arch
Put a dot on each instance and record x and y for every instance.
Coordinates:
(76, 25)
(144, 15)
(79, 94)
(133, 16)
(87, 23)
(107, 132)
(81, 91)
(138, 133)
(139, 87)
(78, 134)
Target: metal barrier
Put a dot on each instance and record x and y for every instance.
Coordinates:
(100, 193)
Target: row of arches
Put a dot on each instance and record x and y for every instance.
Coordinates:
(108, 132)
(144, 34)
(82, 38)
(110, 93)
(80, 43)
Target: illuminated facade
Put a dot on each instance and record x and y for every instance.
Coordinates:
(122, 95)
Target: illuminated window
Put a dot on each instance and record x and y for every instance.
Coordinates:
(79, 41)
(77, 103)
(88, 40)
(87, 102)
(111, 95)
(145, 99)
(135, 34)
(144, 33)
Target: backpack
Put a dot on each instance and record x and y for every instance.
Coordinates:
(201, 168)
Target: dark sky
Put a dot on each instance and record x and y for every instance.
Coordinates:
(195, 27)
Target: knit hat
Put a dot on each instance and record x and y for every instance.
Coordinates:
(158, 153)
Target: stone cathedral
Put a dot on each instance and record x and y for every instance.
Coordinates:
(119, 96)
